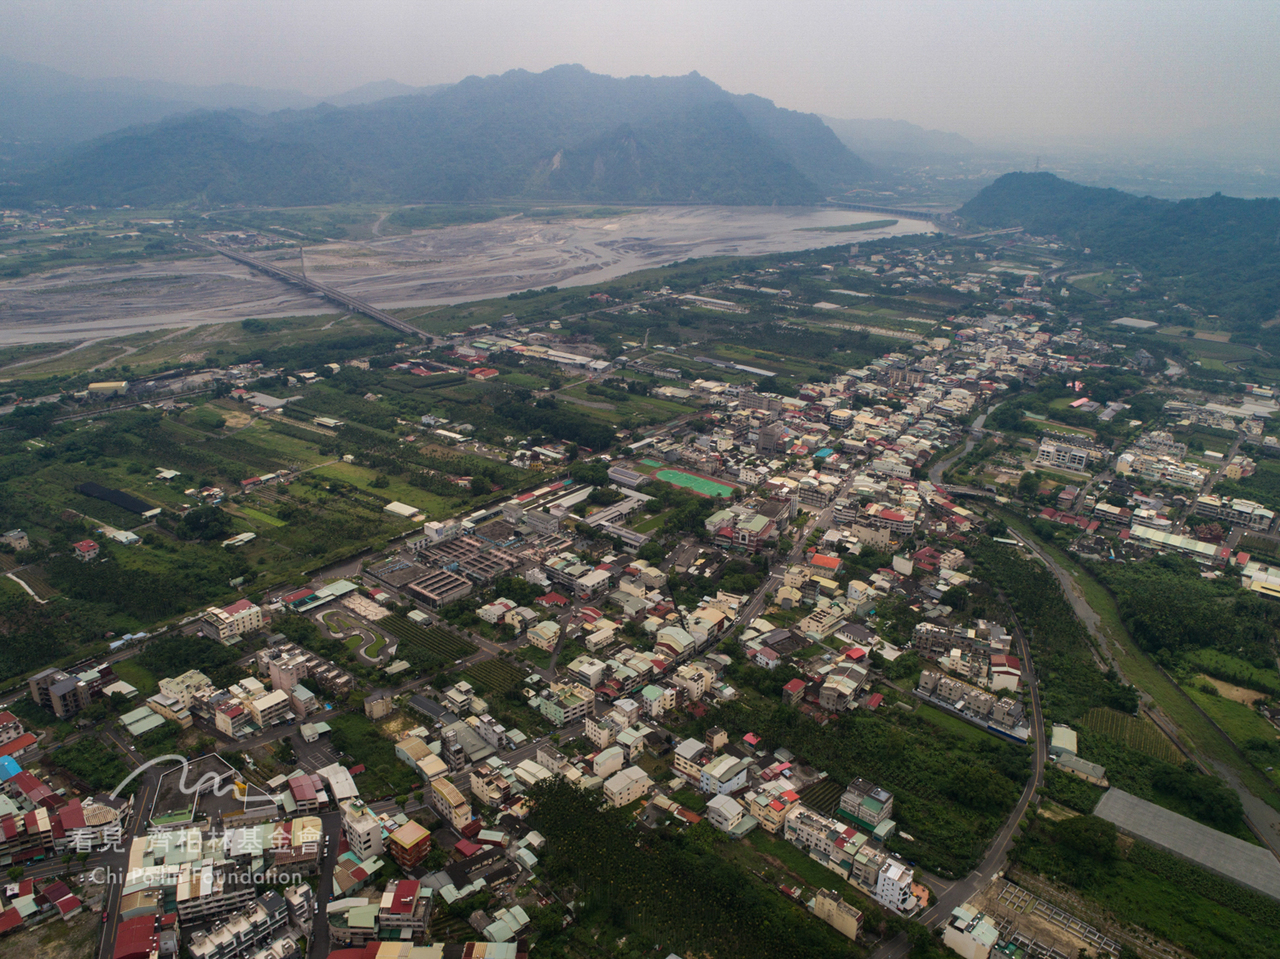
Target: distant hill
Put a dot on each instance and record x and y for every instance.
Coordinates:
(1218, 254)
(43, 104)
(380, 90)
(871, 137)
(563, 134)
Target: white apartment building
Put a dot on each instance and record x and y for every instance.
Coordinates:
(627, 786)
(234, 620)
(363, 830)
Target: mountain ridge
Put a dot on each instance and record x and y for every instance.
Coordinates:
(483, 138)
(1216, 254)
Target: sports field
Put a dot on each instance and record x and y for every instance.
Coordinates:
(699, 484)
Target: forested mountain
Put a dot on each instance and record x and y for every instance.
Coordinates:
(562, 134)
(1218, 254)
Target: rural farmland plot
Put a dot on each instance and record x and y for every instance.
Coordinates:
(1135, 733)
(494, 676)
(436, 640)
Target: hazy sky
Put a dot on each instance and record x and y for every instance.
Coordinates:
(1086, 71)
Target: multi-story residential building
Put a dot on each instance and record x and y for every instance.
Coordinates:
(59, 693)
(409, 845)
(893, 885)
(491, 786)
(841, 685)
(687, 759)
(300, 900)
(564, 703)
(725, 813)
(10, 727)
(627, 786)
(86, 550)
(867, 804)
(831, 908)
(232, 719)
(242, 935)
(1062, 455)
(695, 680)
(770, 806)
(602, 732)
(724, 775)
(270, 709)
(237, 619)
(362, 828)
(449, 803)
(1238, 512)
(185, 687)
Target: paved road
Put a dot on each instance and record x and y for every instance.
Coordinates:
(998, 852)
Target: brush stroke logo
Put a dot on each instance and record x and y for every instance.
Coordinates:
(219, 784)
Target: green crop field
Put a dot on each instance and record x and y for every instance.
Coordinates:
(822, 796)
(436, 640)
(1139, 734)
(260, 516)
(494, 676)
(1236, 671)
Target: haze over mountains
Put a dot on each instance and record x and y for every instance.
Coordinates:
(39, 103)
(558, 135)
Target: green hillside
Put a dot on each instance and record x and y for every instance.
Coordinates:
(565, 134)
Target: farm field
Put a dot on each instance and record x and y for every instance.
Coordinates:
(494, 676)
(436, 640)
(1139, 734)
(34, 577)
(1226, 667)
(822, 796)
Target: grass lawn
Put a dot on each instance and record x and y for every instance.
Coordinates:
(532, 654)
(139, 677)
(762, 852)
(652, 523)
(260, 516)
(951, 724)
(375, 647)
(433, 506)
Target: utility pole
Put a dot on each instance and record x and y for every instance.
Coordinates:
(302, 260)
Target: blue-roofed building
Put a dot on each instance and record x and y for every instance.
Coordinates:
(8, 768)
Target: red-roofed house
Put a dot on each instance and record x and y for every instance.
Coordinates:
(303, 792)
(768, 658)
(10, 920)
(137, 938)
(794, 690)
(1006, 672)
(552, 599)
(38, 793)
(874, 701)
(829, 563)
(86, 550)
(16, 747)
(10, 727)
